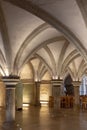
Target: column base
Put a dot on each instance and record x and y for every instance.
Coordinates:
(9, 125)
(37, 104)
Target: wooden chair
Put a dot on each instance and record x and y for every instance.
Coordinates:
(84, 102)
(63, 102)
(67, 102)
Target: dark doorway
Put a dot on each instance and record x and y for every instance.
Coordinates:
(68, 87)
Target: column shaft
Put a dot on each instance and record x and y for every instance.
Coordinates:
(10, 104)
(56, 95)
(56, 84)
(76, 85)
(19, 96)
(10, 83)
(37, 94)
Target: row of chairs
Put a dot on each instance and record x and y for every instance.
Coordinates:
(83, 101)
(67, 101)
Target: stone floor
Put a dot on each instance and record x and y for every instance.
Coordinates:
(44, 118)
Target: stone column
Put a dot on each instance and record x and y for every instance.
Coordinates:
(19, 96)
(10, 83)
(76, 85)
(37, 94)
(56, 86)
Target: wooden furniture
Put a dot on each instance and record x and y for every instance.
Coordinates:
(67, 101)
(51, 101)
(84, 102)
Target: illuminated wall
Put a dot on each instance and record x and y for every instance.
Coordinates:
(45, 92)
(27, 93)
(2, 94)
(26, 72)
(46, 76)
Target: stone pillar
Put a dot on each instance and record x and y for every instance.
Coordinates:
(10, 83)
(37, 94)
(76, 85)
(19, 96)
(56, 86)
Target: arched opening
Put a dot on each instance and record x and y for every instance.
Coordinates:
(68, 93)
(68, 87)
(83, 86)
(83, 92)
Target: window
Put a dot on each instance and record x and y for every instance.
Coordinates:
(83, 86)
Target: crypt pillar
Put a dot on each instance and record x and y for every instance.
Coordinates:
(10, 83)
(76, 85)
(56, 91)
(19, 95)
(37, 94)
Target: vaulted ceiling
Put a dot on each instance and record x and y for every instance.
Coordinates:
(43, 38)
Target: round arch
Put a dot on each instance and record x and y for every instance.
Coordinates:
(69, 89)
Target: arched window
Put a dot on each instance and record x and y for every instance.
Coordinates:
(83, 86)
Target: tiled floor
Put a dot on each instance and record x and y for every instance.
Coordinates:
(43, 118)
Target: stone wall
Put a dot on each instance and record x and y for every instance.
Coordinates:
(28, 93)
(2, 94)
(45, 92)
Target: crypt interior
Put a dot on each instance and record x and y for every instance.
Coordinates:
(43, 64)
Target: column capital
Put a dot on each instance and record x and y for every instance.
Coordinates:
(76, 83)
(11, 80)
(37, 83)
(56, 82)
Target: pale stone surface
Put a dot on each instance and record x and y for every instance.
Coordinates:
(44, 118)
(28, 93)
(10, 104)
(45, 91)
(2, 94)
(19, 97)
